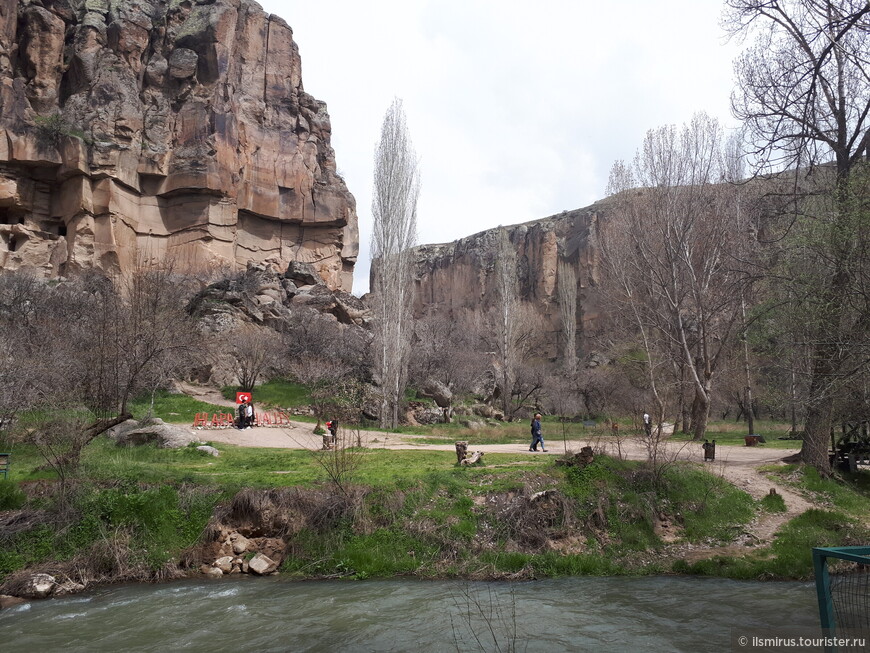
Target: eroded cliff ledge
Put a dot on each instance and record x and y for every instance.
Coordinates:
(459, 277)
(133, 131)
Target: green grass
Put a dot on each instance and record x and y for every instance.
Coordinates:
(503, 433)
(425, 515)
(263, 467)
(704, 506)
(708, 507)
(279, 393)
(773, 503)
(11, 496)
(731, 433)
(171, 407)
(155, 523)
(839, 520)
(790, 555)
(851, 494)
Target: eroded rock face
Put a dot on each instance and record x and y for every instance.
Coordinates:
(134, 131)
(263, 296)
(459, 277)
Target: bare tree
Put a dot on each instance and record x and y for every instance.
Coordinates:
(447, 349)
(254, 351)
(671, 251)
(83, 348)
(154, 335)
(315, 346)
(804, 93)
(394, 208)
(342, 400)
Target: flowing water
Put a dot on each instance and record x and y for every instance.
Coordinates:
(274, 614)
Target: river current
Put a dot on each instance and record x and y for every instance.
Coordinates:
(274, 614)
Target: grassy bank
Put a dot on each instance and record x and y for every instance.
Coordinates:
(133, 513)
(840, 518)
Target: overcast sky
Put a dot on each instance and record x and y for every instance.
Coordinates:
(517, 109)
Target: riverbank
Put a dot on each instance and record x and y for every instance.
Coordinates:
(399, 507)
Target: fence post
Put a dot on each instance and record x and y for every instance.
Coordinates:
(823, 590)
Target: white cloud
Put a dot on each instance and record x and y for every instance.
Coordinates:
(516, 108)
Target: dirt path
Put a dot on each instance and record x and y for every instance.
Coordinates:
(204, 393)
(738, 465)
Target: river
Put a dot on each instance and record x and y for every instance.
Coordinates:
(274, 614)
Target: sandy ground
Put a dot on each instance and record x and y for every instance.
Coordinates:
(739, 465)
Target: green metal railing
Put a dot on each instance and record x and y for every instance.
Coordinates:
(844, 596)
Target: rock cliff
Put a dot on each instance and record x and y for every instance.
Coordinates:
(133, 131)
(458, 277)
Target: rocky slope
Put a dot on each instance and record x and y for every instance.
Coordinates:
(140, 130)
(459, 277)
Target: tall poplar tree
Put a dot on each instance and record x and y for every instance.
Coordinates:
(394, 209)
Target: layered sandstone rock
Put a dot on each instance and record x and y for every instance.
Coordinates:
(459, 277)
(134, 131)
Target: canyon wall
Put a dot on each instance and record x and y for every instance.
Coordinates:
(135, 131)
(459, 277)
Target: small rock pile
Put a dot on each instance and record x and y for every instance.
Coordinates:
(238, 554)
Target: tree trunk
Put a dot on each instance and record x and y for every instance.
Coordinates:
(817, 429)
(700, 414)
(826, 362)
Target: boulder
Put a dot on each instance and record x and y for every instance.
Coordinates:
(212, 572)
(437, 391)
(224, 563)
(302, 274)
(240, 543)
(38, 586)
(261, 296)
(429, 415)
(483, 410)
(7, 601)
(68, 587)
(182, 63)
(167, 436)
(211, 451)
(261, 565)
(118, 431)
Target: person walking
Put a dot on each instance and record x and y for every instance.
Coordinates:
(536, 434)
(647, 424)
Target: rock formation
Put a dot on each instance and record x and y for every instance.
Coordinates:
(133, 131)
(458, 277)
(262, 296)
